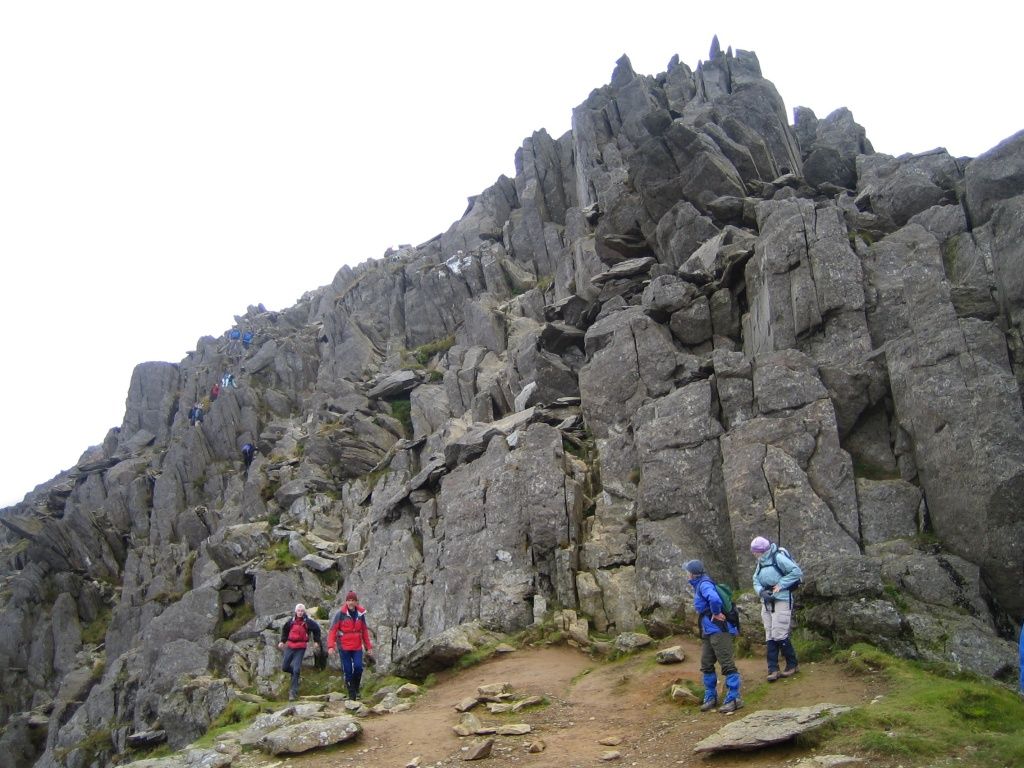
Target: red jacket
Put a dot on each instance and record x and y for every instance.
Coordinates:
(304, 631)
(355, 635)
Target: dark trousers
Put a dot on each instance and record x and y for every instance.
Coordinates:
(293, 663)
(717, 647)
(352, 666)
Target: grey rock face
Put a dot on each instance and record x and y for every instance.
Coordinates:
(632, 359)
(831, 147)
(151, 400)
(681, 495)
(527, 506)
(952, 384)
(889, 509)
(679, 326)
(187, 712)
(994, 176)
(441, 650)
(904, 186)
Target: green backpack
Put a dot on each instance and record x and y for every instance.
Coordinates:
(728, 607)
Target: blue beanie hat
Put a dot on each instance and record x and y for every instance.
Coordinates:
(693, 566)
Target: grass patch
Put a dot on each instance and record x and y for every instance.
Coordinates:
(868, 470)
(863, 234)
(374, 683)
(810, 646)
(545, 282)
(580, 675)
(895, 595)
(237, 714)
(95, 745)
(280, 558)
(95, 632)
(424, 352)
(931, 716)
(228, 627)
(373, 476)
(153, 753)
(401, 409)
(319, 682)
(268, 491)
(471, 659)
(330, 577)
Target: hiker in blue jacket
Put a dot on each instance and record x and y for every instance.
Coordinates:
(234, 337)
(716, 641)
(1021, 660)
(776, 574)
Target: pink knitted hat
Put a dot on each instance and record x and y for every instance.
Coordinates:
(760, 545)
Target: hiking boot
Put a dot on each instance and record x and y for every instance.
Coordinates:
(790, 671)
(292, 696)
(774, 675)
(708, 705)
(731, 706)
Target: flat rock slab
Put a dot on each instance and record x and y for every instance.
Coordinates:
(188, 758)
(311, 734)
(769, 726)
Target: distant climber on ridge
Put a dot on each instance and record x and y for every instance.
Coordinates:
(247, 453)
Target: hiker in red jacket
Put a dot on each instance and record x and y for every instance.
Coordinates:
(350, 623)
(295, 636)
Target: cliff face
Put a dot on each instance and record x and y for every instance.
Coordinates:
(683, 324)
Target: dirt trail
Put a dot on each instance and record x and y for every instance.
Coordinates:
(625, 698)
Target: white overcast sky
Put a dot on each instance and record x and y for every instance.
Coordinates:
(163, 165)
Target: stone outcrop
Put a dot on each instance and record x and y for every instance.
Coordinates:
(682, 324)
(769, 726)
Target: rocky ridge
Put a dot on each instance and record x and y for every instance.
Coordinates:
(682, 324)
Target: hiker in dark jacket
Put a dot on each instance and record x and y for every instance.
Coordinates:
(247, 453)
(716, 634)
(775, 575)
(350, 623)
(295, 636)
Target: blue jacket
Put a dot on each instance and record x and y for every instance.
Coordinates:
(1022, 658)
(767, 575)
(707, 603)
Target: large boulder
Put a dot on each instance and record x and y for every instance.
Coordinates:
(310, 734)
(994, 176)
